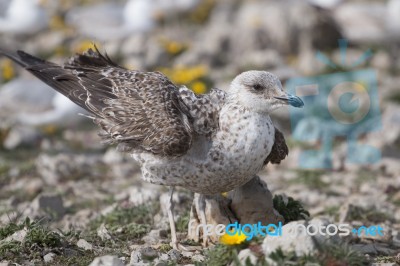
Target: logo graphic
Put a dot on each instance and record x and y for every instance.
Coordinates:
(338, 105)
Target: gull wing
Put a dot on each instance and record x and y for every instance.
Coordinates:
(142, 111)
(279, 149)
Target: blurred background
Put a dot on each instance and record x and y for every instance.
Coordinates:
(48, 153)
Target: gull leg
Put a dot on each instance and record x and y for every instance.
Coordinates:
(174, 238)
(203, 220)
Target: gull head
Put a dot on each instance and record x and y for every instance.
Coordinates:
(261, 91)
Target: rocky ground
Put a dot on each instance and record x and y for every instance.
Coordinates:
(66, 199)
(71, 207)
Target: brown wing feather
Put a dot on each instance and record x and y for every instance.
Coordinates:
(279, 149)
(203, 109)
(140, 110)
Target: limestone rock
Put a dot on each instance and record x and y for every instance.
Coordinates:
(103, 233)
(107, 260)
(49, 257)
(246, 255)
(82, 243)
(298, 240)
(143, 255)
(216, 212)
(252, 203)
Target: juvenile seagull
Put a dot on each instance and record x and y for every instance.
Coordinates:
(208, 144)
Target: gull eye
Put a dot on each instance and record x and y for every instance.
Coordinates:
(258, 87)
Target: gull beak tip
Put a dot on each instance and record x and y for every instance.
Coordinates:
(295, 101)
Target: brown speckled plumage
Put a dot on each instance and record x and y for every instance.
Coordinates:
(207, 143)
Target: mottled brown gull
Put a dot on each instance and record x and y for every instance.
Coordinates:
(208, 143)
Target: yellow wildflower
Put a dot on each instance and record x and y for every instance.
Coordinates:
(84, 46)
(7, 70)
(199, 87)
(172, 47)
(57, 23)
(202, 11)
(237, 238)
(185, 75)
(50, 129)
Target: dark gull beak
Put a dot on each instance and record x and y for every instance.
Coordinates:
(291, 100)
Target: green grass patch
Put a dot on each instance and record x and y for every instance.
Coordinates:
(365, 176)
(125, 224)
(221, 255)
(38, 241)
(328, 254)
(290, 209)
(387, 259)
(332, 211)
(164, 248)
(368, 216)
(10, 229)
(183, 222)
(142, 214)
(310, 178)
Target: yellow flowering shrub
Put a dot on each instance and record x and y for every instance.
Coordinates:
(199, 87)
(236, 239)
(202, 12)
(193, 77)
(7, 70)
(173, 47)
(57, 23)
(84, 46)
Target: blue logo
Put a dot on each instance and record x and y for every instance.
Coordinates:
(339, 105)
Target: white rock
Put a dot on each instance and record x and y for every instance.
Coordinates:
(297, 240)
(112, 156)
(246, 254)
(386, 237)
(18, 236)
(387, 137)
(381, 60)
(21, 135)
(198, 257)
(158, 262)
(49, 257)
(103, 233)
(362, 22)
(154, 236)
(82, 243)
(141, 195)
(384, 264)
(390, 166)
(216, 211)
(107, 260)
(143, 255)
(174, 255)
(62, 167)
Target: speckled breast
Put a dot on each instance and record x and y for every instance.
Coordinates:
(235, 154)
